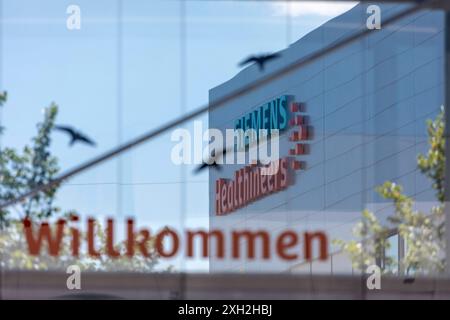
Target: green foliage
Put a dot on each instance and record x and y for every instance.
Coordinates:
(22, 171)
(423, 233)
(371, 248)
(433, 164)
(3, 97)
(25, 170)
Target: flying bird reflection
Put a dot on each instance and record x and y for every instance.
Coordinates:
(260, 60)
(212, 161)
(75, 136)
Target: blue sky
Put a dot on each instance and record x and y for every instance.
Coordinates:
(42, 62)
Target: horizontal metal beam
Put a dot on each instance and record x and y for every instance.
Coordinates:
(135, 285)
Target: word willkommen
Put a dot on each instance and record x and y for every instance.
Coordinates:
(289, 245)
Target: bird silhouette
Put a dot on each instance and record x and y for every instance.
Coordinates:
(75, 135)
(214, 164)
(217, 166)
(260, 60)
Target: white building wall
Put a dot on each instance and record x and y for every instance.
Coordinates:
(368, 104)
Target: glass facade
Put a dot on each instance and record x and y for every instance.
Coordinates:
(367, 106)
(350, 120)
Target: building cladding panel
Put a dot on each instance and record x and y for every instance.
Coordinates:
(367, 104)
